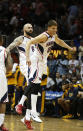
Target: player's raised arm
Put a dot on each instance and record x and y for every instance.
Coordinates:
(15, 43)
(63, 44)
(38, 39)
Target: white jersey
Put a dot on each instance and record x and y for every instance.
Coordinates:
(2, 58)
(22, 57)
(21, 49)
(38, 57)
(45, 47)
(42, 50)
(3, 80)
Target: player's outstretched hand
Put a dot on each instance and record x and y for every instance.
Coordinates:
(73, 49)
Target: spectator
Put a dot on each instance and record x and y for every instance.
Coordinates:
(73, 64)
(71, 96)
(65, 105)
(70, 54)
(80, 50)
(73, 29)
(50, 83)
(58, 81)
(62, 67)
(69, 77)
(64, 78)
(41, 13)
(77, 106)
(52, 65)
(76, 82)
(81, 69)
(58, 78)
(14, 20)
(73, 12)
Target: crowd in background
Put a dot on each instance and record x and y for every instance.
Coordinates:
(65, 72)
(15, 13)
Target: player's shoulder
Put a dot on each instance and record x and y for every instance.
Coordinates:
(40, 36)
(19, 38)
(46, 34)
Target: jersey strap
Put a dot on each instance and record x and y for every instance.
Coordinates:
(48, 36)
(21, 49)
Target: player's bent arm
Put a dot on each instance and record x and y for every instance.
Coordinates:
(15, 43)
(39, 39)
(63, 44)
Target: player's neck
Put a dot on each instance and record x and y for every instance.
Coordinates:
(28, 36)
(49, 33)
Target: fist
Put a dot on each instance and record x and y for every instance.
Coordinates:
(74, 49)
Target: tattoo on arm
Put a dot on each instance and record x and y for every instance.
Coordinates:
(15, 43)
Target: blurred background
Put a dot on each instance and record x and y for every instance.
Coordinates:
(68, 13)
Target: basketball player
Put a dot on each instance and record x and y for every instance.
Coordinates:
(38, 62)
(4, 60)
(20, 42)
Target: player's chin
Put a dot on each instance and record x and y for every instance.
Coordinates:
(31, 31)
(54, 33)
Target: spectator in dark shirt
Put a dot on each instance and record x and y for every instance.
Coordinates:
(66, 102)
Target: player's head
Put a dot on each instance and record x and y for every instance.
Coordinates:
(1, 40)
(28, 29)
(52, 27)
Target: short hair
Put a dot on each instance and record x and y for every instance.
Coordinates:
(64, 83)
(52, 23)
(24, 27)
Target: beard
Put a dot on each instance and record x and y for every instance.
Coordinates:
(28, 33)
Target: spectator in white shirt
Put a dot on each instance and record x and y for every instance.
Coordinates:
(73, 64)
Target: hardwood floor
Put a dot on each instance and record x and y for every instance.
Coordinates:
(13, 123)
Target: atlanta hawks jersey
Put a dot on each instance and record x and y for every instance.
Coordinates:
(2, 58)
(3, 80)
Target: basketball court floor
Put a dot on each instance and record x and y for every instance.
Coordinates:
(49, 124)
